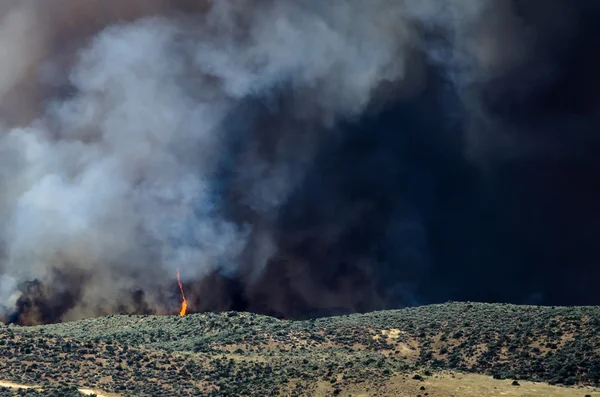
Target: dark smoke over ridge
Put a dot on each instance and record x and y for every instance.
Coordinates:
(296, 158)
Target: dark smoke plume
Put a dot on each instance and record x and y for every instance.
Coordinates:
(296, 158)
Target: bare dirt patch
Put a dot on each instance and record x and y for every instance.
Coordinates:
(85, 391)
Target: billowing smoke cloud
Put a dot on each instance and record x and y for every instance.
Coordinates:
(289, 157)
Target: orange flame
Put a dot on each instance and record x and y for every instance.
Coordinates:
(183, 301)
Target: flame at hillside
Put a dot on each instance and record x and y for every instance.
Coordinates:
(183, 310)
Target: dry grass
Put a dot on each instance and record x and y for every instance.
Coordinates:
(451, 384)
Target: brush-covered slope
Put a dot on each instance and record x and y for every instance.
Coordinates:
(244, 354)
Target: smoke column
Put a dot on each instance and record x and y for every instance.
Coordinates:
(295, 158)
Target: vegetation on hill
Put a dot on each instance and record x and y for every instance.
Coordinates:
(243, 354)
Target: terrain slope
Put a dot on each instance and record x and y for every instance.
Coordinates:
(454, 349)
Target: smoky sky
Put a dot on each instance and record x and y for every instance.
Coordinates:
(297, 158)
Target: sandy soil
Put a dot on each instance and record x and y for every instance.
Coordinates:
(15, 385)
(83, 390)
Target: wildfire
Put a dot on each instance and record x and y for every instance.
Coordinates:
(183, 301)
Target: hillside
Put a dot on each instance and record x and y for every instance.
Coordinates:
(236, 354)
